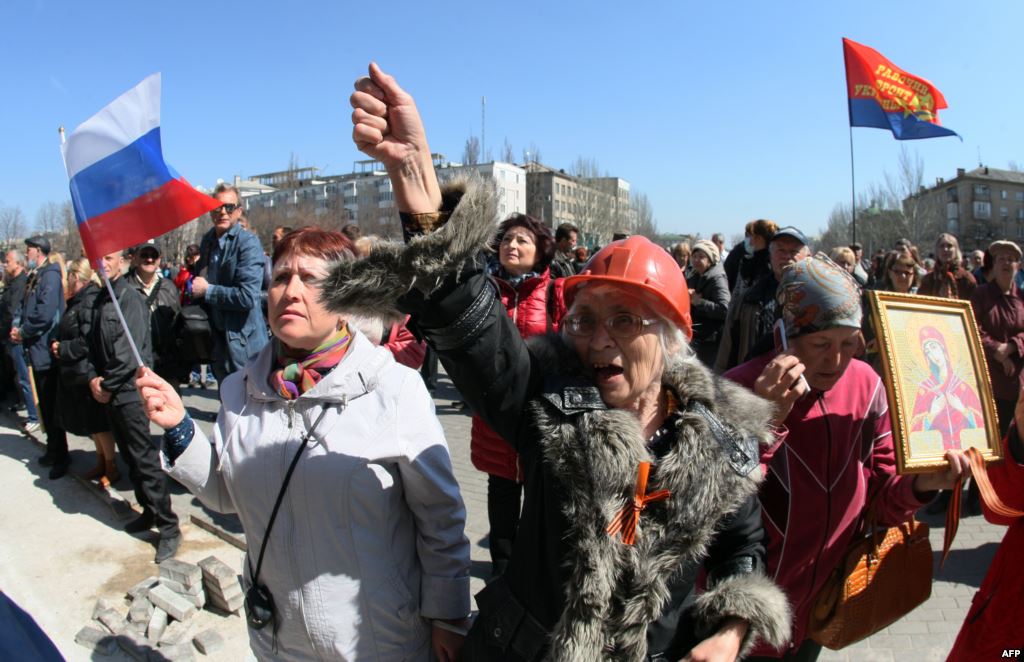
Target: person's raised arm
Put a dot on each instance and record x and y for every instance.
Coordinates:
(387, 127)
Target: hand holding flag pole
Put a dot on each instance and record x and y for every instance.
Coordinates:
(122, 191)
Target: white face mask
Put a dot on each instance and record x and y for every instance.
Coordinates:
(747, 246)
(31, 264)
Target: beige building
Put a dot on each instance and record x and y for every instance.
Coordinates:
(978, 206)
(365, 196)
(598, 206)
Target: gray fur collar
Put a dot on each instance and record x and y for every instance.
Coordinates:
(371, 286)
(614, 590)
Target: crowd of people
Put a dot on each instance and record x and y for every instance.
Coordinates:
(681, 442)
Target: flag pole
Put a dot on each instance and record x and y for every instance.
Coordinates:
(120, 315)
(853, 193)
(110, 288)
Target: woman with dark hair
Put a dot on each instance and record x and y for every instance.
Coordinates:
(533, 299)
(332, 456)
(899, 273)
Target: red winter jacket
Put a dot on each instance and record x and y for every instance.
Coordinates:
(528, 307)
(403, 345)
(835, 451)
(993, 623)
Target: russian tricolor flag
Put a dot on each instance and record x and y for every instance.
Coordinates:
(123, 192)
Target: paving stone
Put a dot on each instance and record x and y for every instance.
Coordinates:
(943, 627)
(176, 633)
(872, 655)
(198, 599)
(187, 574)
(890, 641)
(140, 611)
(176, 606)
(103, 604)
(227, 592)
(96, 640)
(138, 627)
(208, 642)
(142, 588)
(215, 569)
(134, 645)
(180, 652)
(954, 615)
(113, 620)
(157, 625)
(231, 605)
(933, 640)
(908, 627)
(180, 588)
(941, 603)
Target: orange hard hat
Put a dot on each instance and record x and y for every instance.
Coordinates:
(642, 265)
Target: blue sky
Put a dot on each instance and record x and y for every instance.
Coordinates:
(719, 112)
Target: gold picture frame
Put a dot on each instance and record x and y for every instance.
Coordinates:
(934, 406)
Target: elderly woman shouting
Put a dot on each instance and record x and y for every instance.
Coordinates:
(640, 467)
(332, 456)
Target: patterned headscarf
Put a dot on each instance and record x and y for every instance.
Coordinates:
(296, 376)
(817, 294)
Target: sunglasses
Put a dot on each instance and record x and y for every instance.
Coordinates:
(227, 208)
(149, 255)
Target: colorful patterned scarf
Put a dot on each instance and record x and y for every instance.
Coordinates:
(296, 376)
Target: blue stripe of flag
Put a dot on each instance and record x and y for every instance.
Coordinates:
(118, 179)
(868, 113)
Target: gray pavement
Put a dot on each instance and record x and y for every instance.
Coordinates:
(927, 633)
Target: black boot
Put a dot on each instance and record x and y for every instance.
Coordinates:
(143, 522)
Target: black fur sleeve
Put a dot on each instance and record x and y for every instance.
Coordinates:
(482, 352)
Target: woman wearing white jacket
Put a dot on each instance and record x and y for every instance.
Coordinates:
(367, 545)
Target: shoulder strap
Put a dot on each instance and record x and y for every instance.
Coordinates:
(151, 299)
(280, 497)
(740, 450)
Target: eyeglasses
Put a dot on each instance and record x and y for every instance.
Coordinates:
(619, 325)
(227, 208)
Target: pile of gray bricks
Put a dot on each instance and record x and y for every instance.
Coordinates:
(222, 587)
(156, 623)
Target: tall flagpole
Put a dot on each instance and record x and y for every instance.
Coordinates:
(110, 288)
(853, 192)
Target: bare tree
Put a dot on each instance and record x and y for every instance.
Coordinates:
(587, 167)
(73, 238)
(12, 226)
(644, 213)
(471, 151)
(507, 154)
(532, 154)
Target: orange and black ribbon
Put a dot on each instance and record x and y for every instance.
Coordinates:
(627, 519)
(988, 494)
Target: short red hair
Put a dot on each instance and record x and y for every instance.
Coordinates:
(315, 242)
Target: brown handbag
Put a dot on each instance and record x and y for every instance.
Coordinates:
(885, 575)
